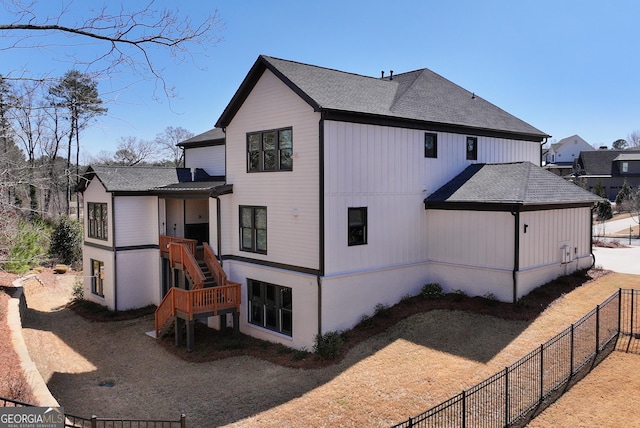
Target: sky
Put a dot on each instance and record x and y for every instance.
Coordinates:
(566, 67)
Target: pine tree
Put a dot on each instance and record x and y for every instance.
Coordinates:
(78, 94)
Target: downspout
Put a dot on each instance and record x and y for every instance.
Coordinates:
(541, 151)
(516, 252)
(321, 259)
(115, 254)
(219, 229)
(593, 256)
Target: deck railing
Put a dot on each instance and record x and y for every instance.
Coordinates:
(214, 266)
(166, 240)
(181, 256)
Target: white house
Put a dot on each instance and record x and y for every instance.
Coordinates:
(324, 193)
(560, 156)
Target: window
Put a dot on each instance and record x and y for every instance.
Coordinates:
(430, 145)
(97, 220)
(270, 306)
(357, 226)
(270, 150)
(97, 277)
(472, 148)
(625, 167)
(253, 229)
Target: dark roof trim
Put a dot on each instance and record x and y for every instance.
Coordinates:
(291, 268)
(201, 144)
(484, 206)
(225, 189)
(249, 83)
(342, 116)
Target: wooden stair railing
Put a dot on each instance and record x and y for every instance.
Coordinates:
(213, 264)
(166, 240)
(180, 256)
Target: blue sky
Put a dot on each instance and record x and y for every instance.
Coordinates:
(566, 67)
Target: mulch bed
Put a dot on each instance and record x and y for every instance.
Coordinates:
(213, 345)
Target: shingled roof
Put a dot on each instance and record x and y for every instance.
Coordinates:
(600, 162)
(508, 185)
(420, 98)
(149, 179)
(211, 137)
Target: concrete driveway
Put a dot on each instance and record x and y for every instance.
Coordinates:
(623, 260)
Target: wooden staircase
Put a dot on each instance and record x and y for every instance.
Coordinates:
(210, 293)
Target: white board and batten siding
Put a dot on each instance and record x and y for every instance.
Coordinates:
(472, 251)
(291, 197)
(211, 159)
(563, 248)
(136, 220)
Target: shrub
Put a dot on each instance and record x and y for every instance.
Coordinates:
(381, 311)
(78, 289)
(367, 321)
(432, 291)
(300, 354)
(28, 247)
(458, 295)
(328, 345)
(66, 242)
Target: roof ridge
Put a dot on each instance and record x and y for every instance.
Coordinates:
(267, 57)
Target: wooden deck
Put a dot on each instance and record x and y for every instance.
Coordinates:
(197, 301)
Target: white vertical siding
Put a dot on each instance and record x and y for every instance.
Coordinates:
(138, 273)
(175, 217)
(211, 159)
(549, 231)
(384, 169)
(291, 239)
(196, 211)
(136, 220)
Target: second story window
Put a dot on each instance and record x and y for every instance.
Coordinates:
(270, 150)
(472, 148)
(625, 167)
(97, 220)
(253, 229)
(430, 145)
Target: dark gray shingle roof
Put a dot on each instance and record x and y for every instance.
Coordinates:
(212, 136)
(521, 183)
(142, 179)
(600, 162)
(420, 96)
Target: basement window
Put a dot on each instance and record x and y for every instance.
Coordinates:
(270, 306)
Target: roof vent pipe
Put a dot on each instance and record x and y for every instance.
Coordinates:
(193, 174)
(391, 75)
(382, 74)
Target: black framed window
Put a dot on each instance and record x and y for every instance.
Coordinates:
(430, 145)
(357, 228)
(472, 148)
(97, 277)
(270, 306)
(253, 229)
(270, 150)
(97, 220)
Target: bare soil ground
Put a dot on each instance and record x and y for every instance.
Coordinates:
(404, 362)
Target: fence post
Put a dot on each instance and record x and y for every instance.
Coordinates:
(410, 422)
(541, 372)
(506, 396)
(572, 349)
(183, 421)
(597, 329)
(94, 421)
(619, 310)
(464, 409)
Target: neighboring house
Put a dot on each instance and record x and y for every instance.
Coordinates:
(611, 168)
(329, 204)
(560, 156)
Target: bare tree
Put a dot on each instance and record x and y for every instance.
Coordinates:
(126, 38)
(168, 142)
(132, 151)
(634, 139)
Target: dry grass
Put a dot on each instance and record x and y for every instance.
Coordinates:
(399, 371)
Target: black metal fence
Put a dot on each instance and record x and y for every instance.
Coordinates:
(513, 396)
(509, 398)
(96, 422)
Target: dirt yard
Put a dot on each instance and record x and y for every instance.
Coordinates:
(115, 370)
